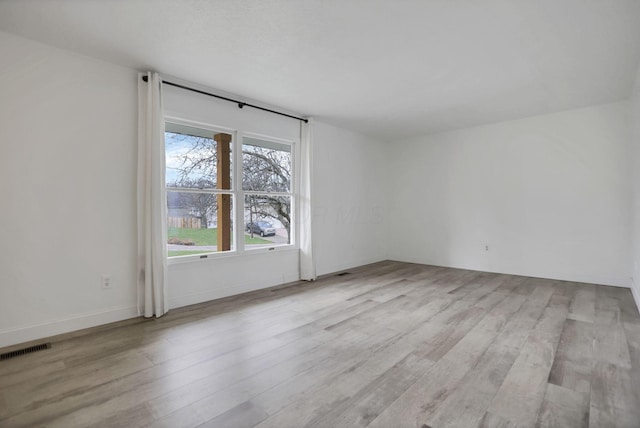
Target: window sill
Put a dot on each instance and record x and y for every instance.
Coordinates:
(229, 254)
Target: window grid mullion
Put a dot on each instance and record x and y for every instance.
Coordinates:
(258, 193)
(195, 190)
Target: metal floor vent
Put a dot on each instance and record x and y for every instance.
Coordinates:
(343, 273)
(23, 351)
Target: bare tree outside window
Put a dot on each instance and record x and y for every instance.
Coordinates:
(267, 169)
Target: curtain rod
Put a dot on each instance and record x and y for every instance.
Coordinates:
(240, 103)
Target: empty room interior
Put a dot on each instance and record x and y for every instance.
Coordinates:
(320, 213)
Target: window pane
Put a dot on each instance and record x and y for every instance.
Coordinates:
(266, 166)
(267, 220)
(192, 158)
(193, 223)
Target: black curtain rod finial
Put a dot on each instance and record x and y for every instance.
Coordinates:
(240, 103)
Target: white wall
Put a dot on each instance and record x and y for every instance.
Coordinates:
(68, 135)
(635, 165)
(349, 188)
(548, 195)
(68, 126)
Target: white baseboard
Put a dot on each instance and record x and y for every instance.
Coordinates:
(13, 336)
(219, 293)
(338, 267)
(623, 282)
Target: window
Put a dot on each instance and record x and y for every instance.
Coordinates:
(199, 190)
(266, 182)
(201, 193)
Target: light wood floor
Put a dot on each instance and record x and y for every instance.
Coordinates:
(389, 345)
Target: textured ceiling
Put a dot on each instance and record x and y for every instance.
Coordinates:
(390, 69)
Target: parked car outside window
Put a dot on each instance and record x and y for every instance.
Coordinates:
(261, 228)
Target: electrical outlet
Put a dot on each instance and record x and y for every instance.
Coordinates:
(486, 248)
(106, 281)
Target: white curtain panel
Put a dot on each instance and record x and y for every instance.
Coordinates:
(152, 200)
(307, 260)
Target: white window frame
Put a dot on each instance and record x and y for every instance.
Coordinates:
(292, 190)
(238, 194)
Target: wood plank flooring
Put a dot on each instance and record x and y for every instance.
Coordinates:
(388, 345)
